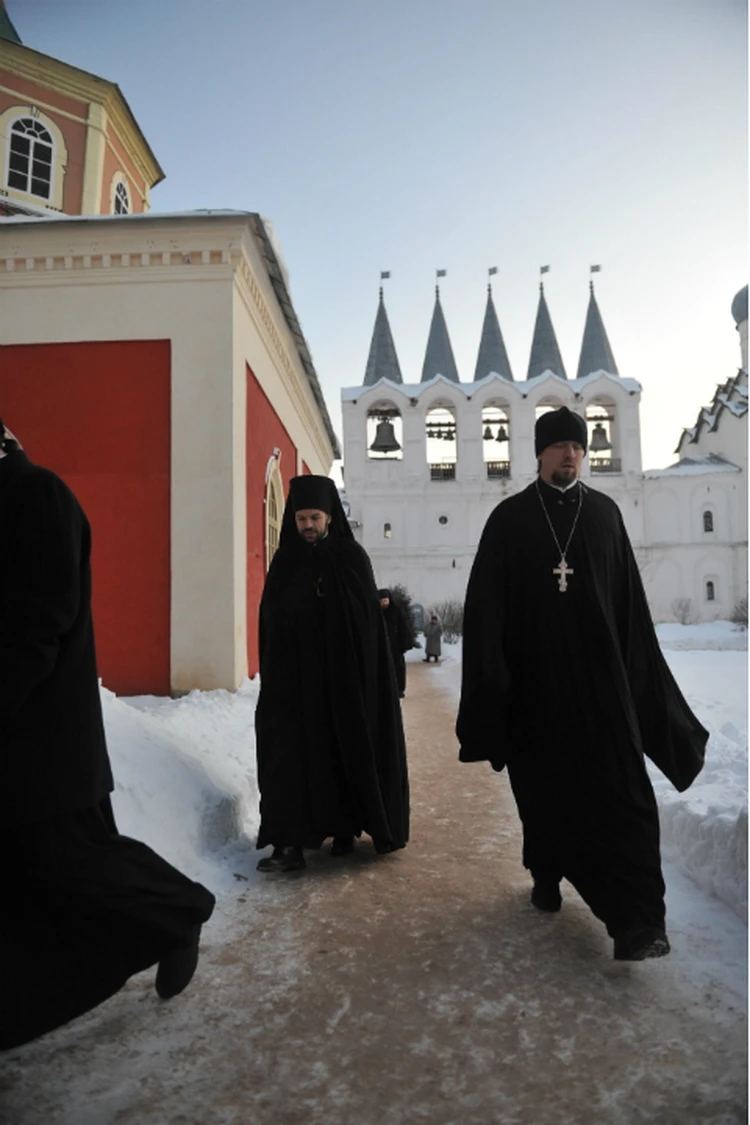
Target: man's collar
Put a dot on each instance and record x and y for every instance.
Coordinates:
(559, 487)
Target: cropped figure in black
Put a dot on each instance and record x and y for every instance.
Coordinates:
(83, 907)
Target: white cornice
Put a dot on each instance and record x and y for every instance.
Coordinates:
(579, 388)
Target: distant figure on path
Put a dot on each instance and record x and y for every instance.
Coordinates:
(83, 907)
(399, 636)
(433, 633)
(330, 744)
(564, 681)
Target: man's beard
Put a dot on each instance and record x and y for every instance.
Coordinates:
(313, 535)
(564, 477)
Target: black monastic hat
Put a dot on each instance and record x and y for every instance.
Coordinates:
(312, 492)
(559, 425)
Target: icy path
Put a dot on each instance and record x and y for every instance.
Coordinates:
(415, 988)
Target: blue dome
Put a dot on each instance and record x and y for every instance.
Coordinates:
(739, 306)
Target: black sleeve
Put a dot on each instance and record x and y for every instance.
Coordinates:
(481, 724)
(672, 736)
(40, 598)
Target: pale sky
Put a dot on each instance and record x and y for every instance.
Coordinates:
(412, 135)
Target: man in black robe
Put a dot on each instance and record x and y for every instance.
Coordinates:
(564, 681)
(82, 908)
(399, 636)
(330, 744)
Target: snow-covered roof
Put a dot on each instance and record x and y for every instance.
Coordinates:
(691, 466)
(415, 390)
(144, 217)
(730, 395)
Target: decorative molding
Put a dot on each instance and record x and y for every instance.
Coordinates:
(175, 260)
(250, 289)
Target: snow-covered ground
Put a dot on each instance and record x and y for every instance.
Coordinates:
(185, 768)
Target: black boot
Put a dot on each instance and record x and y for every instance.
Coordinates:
(289, 858)
(342, 845)
(638, 943)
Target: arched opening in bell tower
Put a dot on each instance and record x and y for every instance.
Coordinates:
(385, 432)
(601, 423)
(441, 438)
(496, 439)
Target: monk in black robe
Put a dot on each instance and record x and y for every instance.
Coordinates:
(330, 744)
(399, 636)
(82, 908)
(564, 682)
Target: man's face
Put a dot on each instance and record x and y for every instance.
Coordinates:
(312, 524)
(385, 602)
(560, 463)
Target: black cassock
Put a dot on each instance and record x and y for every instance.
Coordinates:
(329, 737)
(82, 908)
(570, 690)
(399, 641)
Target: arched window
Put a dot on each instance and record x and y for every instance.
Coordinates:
(710, 591)
(274, 512)
(441, 433)
(121, 201)
(387, 531)
(708, 521)
(30, 158)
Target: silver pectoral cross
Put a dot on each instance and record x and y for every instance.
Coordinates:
(563, 570)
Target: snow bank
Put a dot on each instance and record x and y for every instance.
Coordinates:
(714, 635)
(185, 779)
(704, 831)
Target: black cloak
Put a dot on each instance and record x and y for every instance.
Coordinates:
(54, 756)
(571, 690)
(399, 636)
(83, 908)
(330, 743)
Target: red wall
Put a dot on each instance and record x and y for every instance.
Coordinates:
(265, 431)
(99, 415)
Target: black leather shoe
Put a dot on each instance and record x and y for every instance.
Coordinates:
(176, 968)
(641, 942)
(342, 845)
(545, 895)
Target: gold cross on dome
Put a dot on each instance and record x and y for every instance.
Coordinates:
(563, 570)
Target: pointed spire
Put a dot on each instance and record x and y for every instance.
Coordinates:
(438, 358)
(7, 30)
(545, 354)
(382, 362)
(596, 354)
(492, 354)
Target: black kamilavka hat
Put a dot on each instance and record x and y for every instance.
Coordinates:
(312, 492)
(559, 425)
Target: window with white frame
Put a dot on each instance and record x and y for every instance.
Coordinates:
(274, 513)
(121, 199)
(710, 591)
(30, 158)
(708, 520)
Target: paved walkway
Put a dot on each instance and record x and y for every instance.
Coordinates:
(419, 987)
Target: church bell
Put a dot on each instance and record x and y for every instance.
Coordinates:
(599, 439)
(487, 435)
(385, 438)
(502, 434)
